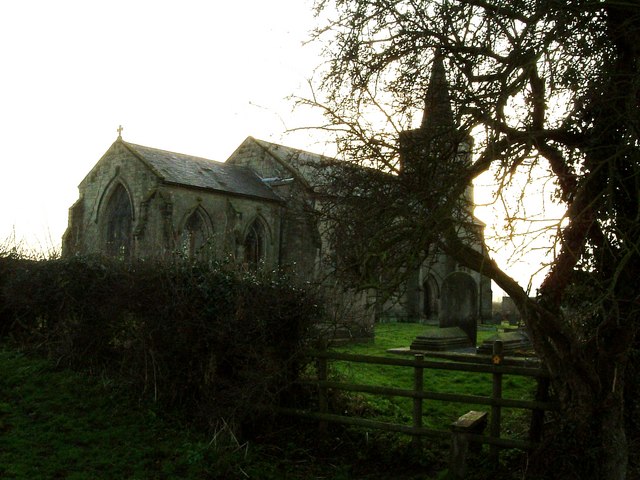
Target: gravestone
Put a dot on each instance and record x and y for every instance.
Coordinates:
(457, 318)
(513, 343)
(441, 339)
(459, 304)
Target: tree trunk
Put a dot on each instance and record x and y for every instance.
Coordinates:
(614, 442)
(588, 441)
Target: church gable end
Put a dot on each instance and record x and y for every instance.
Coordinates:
(273, 161)
(102, 196)
(144, 202)
(250, 154)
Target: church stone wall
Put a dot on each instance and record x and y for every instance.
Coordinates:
(160, 212)
(227, 218)
(300, 242)
(421, 299)
(118, 165)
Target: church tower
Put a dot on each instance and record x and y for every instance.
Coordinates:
(437, 115)
(433, 159)
(437, 145)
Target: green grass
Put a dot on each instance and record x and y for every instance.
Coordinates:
(60, 424)
(55, 423)
(436, 414)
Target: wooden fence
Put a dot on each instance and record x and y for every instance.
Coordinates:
(496, 365)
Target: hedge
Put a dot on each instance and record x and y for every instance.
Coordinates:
(201, 337)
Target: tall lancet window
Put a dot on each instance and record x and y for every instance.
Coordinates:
(254, 245)
(119, 220)
(194, 235)
(430, 306)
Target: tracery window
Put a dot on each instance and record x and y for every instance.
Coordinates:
(254, 245)
(194, 235)
(430, 305)
(119, 220)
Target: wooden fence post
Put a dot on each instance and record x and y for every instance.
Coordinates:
(418, 385)
(537, 415)
(471, 422)
(323, 400)
(496, 394)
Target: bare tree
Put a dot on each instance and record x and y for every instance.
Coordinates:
(538, 84)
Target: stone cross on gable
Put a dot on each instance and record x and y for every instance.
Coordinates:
(120, 131)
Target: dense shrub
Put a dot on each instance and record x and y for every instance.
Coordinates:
(200, 337)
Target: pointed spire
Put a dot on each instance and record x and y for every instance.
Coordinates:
(437, 102)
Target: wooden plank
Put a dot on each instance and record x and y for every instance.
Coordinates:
(455, 366)
(502, 442)
(496, 396)
(427, 395)
(537, 415)
(363, 422)
(470, 422)
(406, 429)
(532, 362)
(323, 399)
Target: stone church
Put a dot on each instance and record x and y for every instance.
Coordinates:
(255, 209)
(144, 202)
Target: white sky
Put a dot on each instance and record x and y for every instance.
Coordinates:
(195, 76)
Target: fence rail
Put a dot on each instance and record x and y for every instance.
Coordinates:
(496, 365)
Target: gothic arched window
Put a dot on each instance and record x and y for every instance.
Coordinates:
(430, 305)
(119, 220)
(194, 234)
(254, 244)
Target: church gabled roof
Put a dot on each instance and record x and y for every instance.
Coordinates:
(300, 164)
(197, 172)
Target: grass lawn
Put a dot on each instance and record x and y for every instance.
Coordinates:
(436, 414)
(58, 424)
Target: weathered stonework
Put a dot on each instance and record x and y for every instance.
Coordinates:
(258, 209)
(161, 207)
(259, 206)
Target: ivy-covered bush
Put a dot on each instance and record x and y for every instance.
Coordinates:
(201, 337)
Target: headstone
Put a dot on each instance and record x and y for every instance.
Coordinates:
(459, 304)
(457, 318)
(513, 343)
(440, 339)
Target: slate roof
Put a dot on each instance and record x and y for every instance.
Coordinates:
(198, 172)
(293, 156)
(302, 164)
